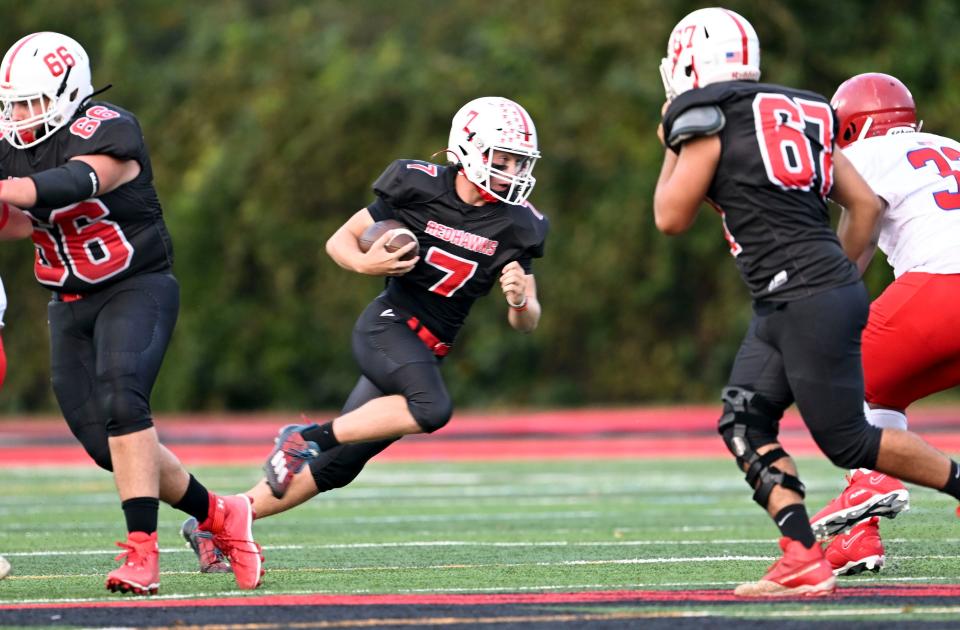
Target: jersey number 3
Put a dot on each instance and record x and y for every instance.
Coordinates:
(784, 127)
(918, 158)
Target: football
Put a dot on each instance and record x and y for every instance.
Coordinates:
(401, 236)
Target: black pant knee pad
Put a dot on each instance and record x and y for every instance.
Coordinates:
(126, 412)
(330, 474)
(100, 453)
(431, 416)
(850, 447)
(340, 465)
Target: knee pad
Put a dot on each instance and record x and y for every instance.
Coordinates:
(125, 409)
(97, 447)
(850, 445)
(750, 422)
(340, 465)
(431, 415)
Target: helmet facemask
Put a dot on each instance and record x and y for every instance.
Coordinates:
(490, 133)
(48, 76)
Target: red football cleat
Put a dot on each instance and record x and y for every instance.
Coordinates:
(231, 523)
(289, 454)
(801, 572)
(140, 572)
(867, 494)
(858, 550)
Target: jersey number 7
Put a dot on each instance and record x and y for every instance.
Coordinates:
(456, 270)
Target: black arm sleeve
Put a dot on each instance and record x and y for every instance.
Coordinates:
(58, 187)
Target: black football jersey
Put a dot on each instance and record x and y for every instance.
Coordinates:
(463, 248)
(771, 184)
(91, 244)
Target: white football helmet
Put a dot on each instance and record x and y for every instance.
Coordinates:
(707, 46)
(489, 124)
(48, 74)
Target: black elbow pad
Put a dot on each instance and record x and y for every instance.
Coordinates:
(58, 187)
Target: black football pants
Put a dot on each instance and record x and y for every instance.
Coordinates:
(392, 360)
(106, 350)
(808, 351)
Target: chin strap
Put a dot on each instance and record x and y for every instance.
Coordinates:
(485, 195)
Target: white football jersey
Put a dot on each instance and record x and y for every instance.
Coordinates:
(918, 175)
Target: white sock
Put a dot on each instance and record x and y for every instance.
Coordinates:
(886, 418)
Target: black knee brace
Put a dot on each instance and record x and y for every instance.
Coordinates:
(748, 423)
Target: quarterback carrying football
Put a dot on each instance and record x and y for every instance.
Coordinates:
(476, 230)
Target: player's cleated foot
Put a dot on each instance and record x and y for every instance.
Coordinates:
(867, 494)
(231, 523)
(289, 454)
(211, 559)
(858, 550)
(140, 571)
(801, 572)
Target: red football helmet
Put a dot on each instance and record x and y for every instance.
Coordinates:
(873, 104)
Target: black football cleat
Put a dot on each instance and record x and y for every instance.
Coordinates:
(210, 557)
(289, 454)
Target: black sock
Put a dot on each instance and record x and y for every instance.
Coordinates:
(322, 435)
(195, 501)
(953, 482)
(141, 514)
(795, 524)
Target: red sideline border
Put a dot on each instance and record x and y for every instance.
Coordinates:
(584, 597)
(663, 432)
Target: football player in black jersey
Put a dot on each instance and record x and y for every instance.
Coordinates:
(764, 157)
(79, 181)
(476, 231)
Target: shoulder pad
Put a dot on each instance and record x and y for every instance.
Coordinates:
(703, 120)
(103, 128)
(406, 181)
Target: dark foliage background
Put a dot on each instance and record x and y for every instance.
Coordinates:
(269, 120)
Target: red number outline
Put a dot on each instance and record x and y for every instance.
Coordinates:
(918, 158)
(429, 169)
(82, 226)
(87, 125)
(48, 264)
(52, 61)
(457, 271)
(781, 124)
